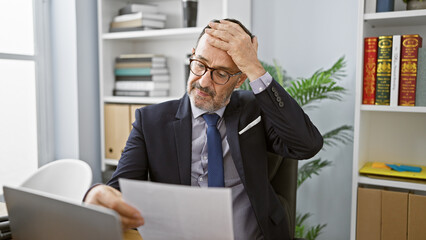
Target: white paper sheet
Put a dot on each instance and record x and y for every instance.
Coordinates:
(180, 212)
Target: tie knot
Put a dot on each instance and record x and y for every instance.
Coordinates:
(211, 119)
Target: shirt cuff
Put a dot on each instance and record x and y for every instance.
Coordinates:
(261, 83)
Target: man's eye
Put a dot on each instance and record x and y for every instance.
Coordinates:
(200, 65)
(221, 74)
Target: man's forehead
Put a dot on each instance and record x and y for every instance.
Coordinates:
(217, 65)
(212, 55)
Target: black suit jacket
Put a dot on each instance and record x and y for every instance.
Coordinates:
(160, 144)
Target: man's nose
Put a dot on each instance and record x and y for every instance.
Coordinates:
(206, 80)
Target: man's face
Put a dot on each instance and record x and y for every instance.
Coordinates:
(206, 94)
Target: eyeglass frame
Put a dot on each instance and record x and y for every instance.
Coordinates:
(211, 72)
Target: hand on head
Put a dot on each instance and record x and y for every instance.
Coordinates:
(230, 37)
(110, 197)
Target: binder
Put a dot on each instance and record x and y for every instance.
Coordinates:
(117, 129)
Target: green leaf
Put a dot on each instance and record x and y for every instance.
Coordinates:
(314, 232)
(321, 85)
(300, 224)
(245, 85)
(304, 231)
(342, 134)
(300, 219)
(310, 168)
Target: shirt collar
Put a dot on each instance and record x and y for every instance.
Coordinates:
(196, 112)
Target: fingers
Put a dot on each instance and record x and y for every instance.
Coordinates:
(216, 41)
(255, 43)
(109, 197)
(130, 216)
(226, 26)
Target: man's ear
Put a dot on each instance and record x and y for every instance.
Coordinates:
(241, 80)
(193, 51)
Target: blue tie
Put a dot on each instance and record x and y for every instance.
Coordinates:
(214, 148)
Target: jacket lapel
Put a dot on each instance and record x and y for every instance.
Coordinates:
(232, 116)
(183, 133)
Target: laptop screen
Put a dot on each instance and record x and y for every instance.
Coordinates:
(35, 215)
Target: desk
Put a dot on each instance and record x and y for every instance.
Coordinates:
(131, 235)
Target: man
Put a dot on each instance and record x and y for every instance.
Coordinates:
(169, 140)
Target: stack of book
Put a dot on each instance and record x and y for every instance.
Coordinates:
(4, 225)
(394, 71)
(136, 17)
(141, 75)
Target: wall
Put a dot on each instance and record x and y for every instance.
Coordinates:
(304, 36)
(75, 82)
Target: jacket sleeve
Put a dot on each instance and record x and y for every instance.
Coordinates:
(290, 132)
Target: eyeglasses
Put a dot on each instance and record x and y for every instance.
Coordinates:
(218, 76)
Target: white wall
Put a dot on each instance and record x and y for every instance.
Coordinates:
(304, 36)
(75, 82)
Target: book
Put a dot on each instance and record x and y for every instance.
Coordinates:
(370, 6)
(141, 58)
(130, 29)
(152, 93)
(140, 15)
(396, 51)
(5, 226)
(421, 78)
(138, 7)
(138, 23)
(370, 65)
(5, 235)
(383, 79)
(140, 65)
(409, 56)
(141, 85)
(154, 78)
(140, 71)
(141, 55)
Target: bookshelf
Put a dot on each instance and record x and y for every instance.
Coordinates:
(384, 133)
(175, 42)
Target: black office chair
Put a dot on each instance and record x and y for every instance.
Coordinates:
(283, 177)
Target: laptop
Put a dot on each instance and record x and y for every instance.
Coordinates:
(36, 215)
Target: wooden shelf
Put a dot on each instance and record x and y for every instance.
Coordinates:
(399, 18)
(393, 109)
(154, 34)
(392, 183)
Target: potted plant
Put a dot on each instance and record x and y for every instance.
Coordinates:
(415, 4)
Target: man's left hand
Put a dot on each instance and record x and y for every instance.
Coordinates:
(231, 38)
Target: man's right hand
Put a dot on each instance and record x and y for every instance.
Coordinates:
(110, 197)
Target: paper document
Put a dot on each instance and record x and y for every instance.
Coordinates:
(180, 212)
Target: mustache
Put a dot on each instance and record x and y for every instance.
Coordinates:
(207, 90)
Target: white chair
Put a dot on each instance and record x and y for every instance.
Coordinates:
(69, 178)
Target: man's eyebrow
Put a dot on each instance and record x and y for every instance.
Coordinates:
(207, 61)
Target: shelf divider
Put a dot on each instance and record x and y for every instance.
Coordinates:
(154, 34)
(392, 183)
(397, 18)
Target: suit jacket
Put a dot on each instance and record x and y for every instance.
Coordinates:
(160, 145)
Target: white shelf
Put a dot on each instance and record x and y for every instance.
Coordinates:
(175, 42)
(398, 18)
(171, 33)
(111, 162)
(379, 108)
(385, 133)
(392, 183)
(138, 100)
